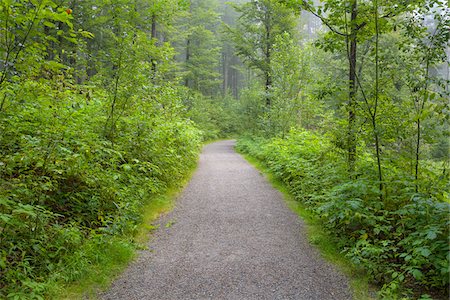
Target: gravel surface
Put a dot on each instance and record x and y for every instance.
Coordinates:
(231, 236)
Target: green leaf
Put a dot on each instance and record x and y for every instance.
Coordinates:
(27, 210)
(49, 24)
(416, 273)
(5, 218)
(126, 167)
(431, 235)
(425, 252)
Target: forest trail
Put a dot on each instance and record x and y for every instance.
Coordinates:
(231, 236)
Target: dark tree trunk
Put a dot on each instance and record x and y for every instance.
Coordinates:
(268, 54)
(187, 82)
(352, 92)
(188, 57)
(268, 84)
(153, 35)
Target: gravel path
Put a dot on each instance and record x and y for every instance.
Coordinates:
(231, 236)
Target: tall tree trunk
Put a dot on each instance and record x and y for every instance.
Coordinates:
(188, 57)
(416, 169)
(153, 35)
(419, 110)
(235, 77)
(153, 26)
(224, 72)
(236, 84)
(268, 57)
(374, 118)
(267, 86)
(188, 50)
(352, 86)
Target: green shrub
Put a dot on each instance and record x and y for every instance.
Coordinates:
(401, 241)
(64, 184)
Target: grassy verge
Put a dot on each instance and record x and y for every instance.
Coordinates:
(112, 258)
(317, 236)
(113, 255)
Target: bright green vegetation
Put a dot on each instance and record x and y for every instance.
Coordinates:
(95, 126)
(104, 106)
(327, 243)
(102, 262)
(405, 243)
(354, 121)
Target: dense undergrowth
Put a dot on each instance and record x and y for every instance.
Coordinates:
(95, 127)
(401, 241)
(67, 192)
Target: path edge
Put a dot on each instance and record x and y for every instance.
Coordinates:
(360, 287)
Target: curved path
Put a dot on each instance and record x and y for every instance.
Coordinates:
(231, 236)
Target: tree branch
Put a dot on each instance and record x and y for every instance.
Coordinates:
(324, 21)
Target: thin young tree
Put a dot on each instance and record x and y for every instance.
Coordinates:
(255, 33)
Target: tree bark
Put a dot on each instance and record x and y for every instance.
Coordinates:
(188, 57)
(268, 54)
(153, 35)
(225, 72)
(188, 50)
(351, 137)
(374, 118)
(268, 84)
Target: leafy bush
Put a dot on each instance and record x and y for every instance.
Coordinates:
(92, 126)
(401, 241)
(64, 184)
(216, 117)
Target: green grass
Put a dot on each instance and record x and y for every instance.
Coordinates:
(317, 236)
(111, 257)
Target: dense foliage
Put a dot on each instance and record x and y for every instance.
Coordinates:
(104, 105)
(95, 121)
(400, 242)
(357, 128)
